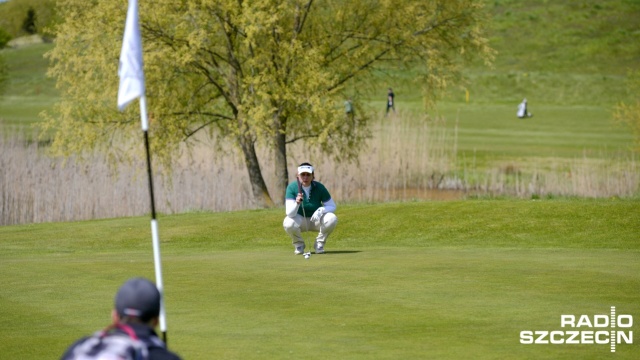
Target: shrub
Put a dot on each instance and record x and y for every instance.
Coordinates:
(4, 74)
(29, 23)
(4, 38)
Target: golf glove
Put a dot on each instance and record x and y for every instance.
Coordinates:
(317, 215)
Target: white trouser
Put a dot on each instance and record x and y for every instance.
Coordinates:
(295, 226)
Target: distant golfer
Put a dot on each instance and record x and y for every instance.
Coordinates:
(309, 207)
(348, 108)
(131, 335)
(523, 112)
(391, 101)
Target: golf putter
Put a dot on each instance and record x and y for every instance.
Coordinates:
(300, 191)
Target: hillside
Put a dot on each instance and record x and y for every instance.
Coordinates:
(558, 52)
(555, 52)
(13, 14)
(578, 37)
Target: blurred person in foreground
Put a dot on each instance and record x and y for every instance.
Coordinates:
(309, 207)
(131, 334)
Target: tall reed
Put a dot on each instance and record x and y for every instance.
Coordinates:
(406, 159)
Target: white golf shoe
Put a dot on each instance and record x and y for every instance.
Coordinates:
(319, 247)
(299, 250)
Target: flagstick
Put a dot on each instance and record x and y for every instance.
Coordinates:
(154, 223)
(131, 87)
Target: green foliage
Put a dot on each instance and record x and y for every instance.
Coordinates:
(39, 16)
(429, 280)
(4, 38)
(27, 90)
(267, 72)
(29, 23)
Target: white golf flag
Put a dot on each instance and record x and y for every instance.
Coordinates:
(130, 68)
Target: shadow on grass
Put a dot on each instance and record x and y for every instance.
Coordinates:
(341, 252)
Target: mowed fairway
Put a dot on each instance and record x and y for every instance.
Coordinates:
(442, 280)
(491, 135)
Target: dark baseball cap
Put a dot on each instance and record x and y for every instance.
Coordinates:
(139, 298)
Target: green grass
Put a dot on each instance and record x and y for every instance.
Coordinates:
(29, 91)
(490, 136)
(444, 280)
(493, 134)
(565, 37)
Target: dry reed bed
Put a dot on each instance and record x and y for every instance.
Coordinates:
(402, 162)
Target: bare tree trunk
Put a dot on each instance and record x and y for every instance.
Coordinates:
(258, 186)
(282, 173)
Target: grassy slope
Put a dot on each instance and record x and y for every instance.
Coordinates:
(569, 59)
(28, 92)
(560, 52)
(435, 279)
(579, 37)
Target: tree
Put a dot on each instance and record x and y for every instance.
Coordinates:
(269, 72)
(4, 38)
(29, 23)
(4, 74)
(4, 68)
(629, 113)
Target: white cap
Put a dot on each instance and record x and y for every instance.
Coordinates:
(305, 169)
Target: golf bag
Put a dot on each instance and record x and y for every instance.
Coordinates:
(110, 344)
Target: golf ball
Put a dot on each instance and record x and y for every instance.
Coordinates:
(306, 256)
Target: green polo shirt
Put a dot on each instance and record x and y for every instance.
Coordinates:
(318, 195)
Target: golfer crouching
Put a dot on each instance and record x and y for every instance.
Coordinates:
(309, 207)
